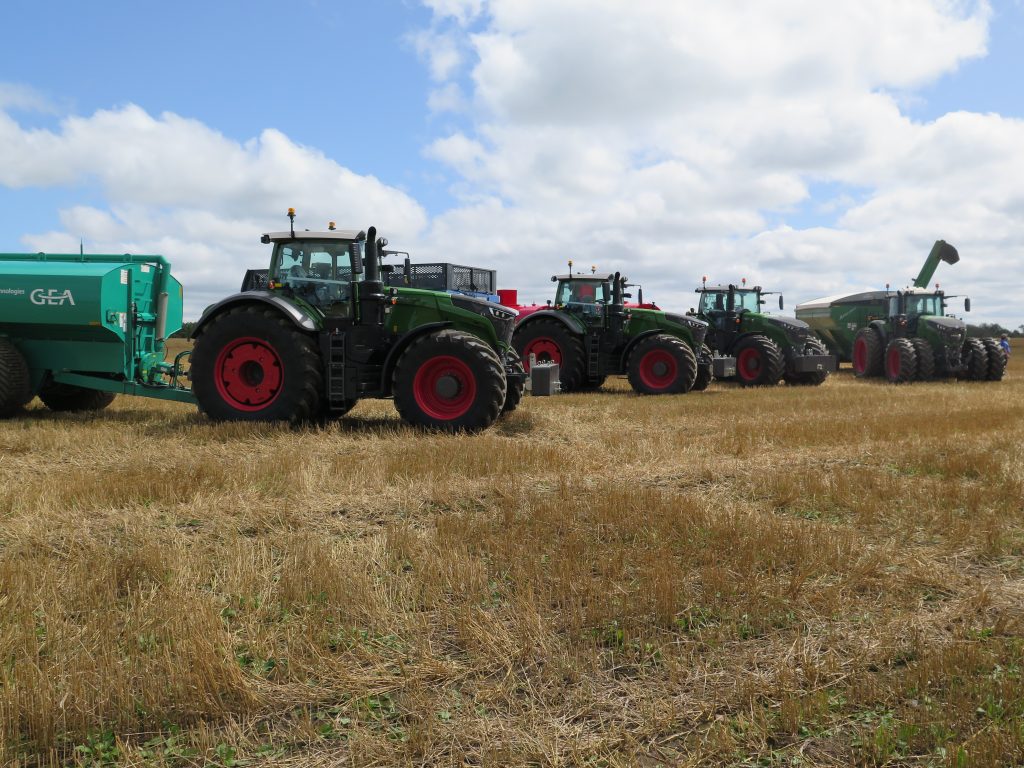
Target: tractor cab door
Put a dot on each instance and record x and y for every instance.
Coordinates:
(320, 273)
(716, 306)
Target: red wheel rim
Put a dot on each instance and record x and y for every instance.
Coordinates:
(893, 363)
(546, 350)
(860, 355)
(749, 363)
(658, 369)
(444, 387)
(249, 374)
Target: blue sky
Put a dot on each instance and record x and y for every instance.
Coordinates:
(813, 149)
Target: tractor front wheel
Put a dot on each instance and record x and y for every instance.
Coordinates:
(549, 341)
(996, 359)
(662, 365)
(975, 359)
(925, 359)
(810, 378)
(704, 372)
(451, 381)
(759, 362)
(900, 361)
(867, 353)
(253, 364)
(14, 379)
(67, 397)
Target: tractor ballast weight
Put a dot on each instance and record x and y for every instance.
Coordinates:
(76, 329)
(591, 334)
(904, 335)
(768, 349)
(320, 330)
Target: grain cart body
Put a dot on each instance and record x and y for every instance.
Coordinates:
(92, 322)
(836, 319)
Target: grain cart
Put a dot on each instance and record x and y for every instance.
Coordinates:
(324, 332)
(76, 329)
(591, 335)
(767, 349)
(905, 335)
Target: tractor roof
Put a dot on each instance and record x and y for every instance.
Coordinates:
(726, 288)
(305, 234)
(594, 278)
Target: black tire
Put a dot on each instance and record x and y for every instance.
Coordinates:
(67, 397)
(996, 359)
(704, 369)
(252, 364)
(451, 381)
(661, 365)
(759, 361)
(514, 389)
(810, 378)
(975, 359)
(867, 353)
(553, 338)
(900, 361)
(14, 379)
(925, 360)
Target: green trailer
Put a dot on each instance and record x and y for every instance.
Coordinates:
(77, 329)
(906, 334)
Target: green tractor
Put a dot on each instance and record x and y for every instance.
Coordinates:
(905, 335)
(322, 332)
(767, 349)
(592, 334)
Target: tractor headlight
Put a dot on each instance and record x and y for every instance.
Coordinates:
(502, 318)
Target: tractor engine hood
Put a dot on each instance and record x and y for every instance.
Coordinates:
(951, 329)
(697, 327)
(794, 329)
(502, 318)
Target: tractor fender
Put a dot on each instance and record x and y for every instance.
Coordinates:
(399, 347)
(570, 322)
(883, 331)
(624, 360)
(302, 319)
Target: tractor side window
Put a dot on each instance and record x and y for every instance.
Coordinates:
(318, 272)
(712, 302)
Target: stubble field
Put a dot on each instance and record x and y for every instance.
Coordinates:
(802, 576)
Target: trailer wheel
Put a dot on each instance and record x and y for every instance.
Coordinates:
(67, 397)
(514, 390)
(810, 378)
(900, 361)
(550, 341)
(662, 365)
(759, 361)
(252, 364)
(704, 372)
(451, 381)
(925, 359)
(996, 359)
(867, 353)
(14, 379)
(975, 359)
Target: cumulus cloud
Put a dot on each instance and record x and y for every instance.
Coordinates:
(179, 188)
(674, 139)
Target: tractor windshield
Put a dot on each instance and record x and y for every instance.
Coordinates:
(320, 272)
(923, 304)
(749, 300)
(585, 292)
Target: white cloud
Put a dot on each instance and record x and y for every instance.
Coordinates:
(666, 139)
(178, 188)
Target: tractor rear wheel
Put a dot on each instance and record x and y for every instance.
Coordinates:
(14, 379)
(867, 353)
(900, 361)
(925, 360)
(759, 361)
(514, 389)
(810, 378)
(975, 359)
(451, 381)
(662, 365)
(253, 364)
(703, 370)
(551, 342)
(67, 397)
(996, 359)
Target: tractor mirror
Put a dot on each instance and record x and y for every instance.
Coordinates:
(780, 303)
(387, 269)
(967, 304)
(627, 295)
(357, 258)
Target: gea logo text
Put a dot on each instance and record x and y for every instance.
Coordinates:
(52, 297)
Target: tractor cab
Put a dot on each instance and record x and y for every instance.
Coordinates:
(585, 297)
(913, 304)
(318, 270)
(723, 305)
